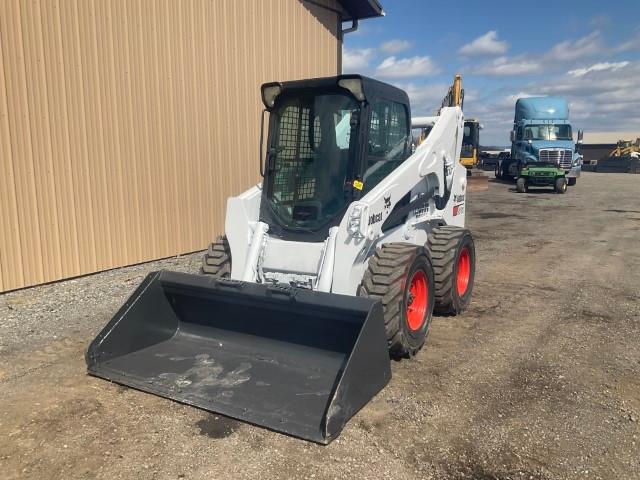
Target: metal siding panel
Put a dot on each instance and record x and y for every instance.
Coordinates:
(90, 150)
(11, 272)
(128, 155)
(21, 146)
(115, 234)
(139, 125)
(40, 136)
(60, 142)
(218, 104)
(159, 135)
(156, 169)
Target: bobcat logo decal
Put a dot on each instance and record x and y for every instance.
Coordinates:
(387, 203)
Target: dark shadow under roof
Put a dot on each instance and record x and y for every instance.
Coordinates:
(359, 9)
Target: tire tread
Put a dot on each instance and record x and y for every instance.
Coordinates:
(217, 259)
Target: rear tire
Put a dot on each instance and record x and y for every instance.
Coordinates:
(521, 185)
(453, 256)
(217, 260)
(572, 181)
(497, 172)
(560, 185)
(400, 275)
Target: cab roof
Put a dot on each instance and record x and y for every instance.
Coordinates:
(372, 88)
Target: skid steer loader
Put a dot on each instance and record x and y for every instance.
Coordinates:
(334, 263)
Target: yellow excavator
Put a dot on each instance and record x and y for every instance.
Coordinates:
(626, 148)
(625, 158)
(470, 142)
(470, 139)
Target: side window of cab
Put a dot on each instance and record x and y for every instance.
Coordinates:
(388, 141)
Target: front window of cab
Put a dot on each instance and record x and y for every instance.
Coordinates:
(547, 132)
(470, 139)
(308, 174)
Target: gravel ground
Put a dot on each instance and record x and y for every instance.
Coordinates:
(537, 380)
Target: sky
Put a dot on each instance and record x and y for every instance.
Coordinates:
(586, 51)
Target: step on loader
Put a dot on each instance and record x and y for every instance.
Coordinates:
(334, 263)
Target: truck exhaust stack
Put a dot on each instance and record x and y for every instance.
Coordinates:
(295, 361)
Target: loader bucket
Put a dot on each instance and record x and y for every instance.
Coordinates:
(296, 361)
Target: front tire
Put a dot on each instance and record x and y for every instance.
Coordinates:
(400, 275)
(560, 185)
(217, 259)
(453, 255)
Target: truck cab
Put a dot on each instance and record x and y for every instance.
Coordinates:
(542, 134)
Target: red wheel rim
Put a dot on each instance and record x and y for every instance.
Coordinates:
(417, 300)
(464, 271)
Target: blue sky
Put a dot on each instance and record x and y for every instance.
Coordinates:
(586, 51)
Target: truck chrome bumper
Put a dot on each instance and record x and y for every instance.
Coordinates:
(574, 172)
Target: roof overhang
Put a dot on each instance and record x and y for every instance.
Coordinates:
(359, 9)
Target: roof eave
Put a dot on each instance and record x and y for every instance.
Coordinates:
(361, 9)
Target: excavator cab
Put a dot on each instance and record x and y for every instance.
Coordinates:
(470, 143)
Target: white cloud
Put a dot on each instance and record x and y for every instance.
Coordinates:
(597, 67)
(356, 60)
(392, 67)
(630, 45)
(425, 99)
(395, 46)
(506, 66)
(510, 100)
(562, 55)
(588, 45)
(487, 44)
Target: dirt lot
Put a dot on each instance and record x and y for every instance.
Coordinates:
(538, 380)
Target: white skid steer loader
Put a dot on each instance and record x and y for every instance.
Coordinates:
(334, 263)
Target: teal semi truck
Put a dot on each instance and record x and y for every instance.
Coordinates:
(542, 149)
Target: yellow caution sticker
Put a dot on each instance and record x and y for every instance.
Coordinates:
(358, 184)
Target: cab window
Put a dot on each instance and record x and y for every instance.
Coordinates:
(388, 141)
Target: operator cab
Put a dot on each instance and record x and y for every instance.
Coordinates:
(330, 141)
(470, 139)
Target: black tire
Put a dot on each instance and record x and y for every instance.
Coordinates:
(446, 246)
(521, 185)
(572, 181)
(388, 278)
(504, 171)
(498, 171)
(511, 176)
(217, 260)
(560, 185)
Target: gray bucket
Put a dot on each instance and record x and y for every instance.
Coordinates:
(291, 360)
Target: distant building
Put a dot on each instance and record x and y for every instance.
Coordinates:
(596, 145)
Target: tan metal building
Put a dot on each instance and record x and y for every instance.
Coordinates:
(125, 124)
